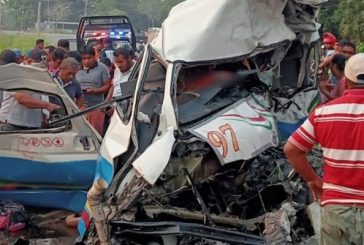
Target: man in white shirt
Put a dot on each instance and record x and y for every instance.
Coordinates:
(124, 64)
(23, 110)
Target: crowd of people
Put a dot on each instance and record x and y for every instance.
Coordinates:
(336, 126)
(335, 55)
(89, 77)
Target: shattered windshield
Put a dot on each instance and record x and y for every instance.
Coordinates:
(206, 89)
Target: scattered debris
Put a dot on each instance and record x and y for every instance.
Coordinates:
(44, 227)
(13, 217)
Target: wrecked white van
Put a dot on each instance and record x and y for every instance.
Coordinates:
(188, 155)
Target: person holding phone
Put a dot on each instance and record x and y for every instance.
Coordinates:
(95, 83)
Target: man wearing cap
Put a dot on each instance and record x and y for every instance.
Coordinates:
(329, 41)
(338, 127)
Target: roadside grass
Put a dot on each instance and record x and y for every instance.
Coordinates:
(22, 41)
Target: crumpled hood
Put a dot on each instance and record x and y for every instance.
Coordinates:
(201, 30)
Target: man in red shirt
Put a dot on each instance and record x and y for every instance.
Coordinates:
(338, 126)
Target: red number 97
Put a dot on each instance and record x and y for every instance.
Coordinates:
(218, 139)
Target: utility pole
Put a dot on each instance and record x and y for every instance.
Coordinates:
(2, 2)
(49, 17)
(1, 10)
(38, 16)
(86, 5)
(21, 20)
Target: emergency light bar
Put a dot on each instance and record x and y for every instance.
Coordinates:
(93, 28)
(117, 34)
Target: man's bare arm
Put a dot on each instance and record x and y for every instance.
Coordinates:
(80, 101)
(110, 94)
(28, 101)
(298, 159)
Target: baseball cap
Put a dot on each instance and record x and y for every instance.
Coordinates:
(354, 69)
(329, 38)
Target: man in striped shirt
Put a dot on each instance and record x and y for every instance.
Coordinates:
(338, 126)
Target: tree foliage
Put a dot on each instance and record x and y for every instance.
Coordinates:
(19, 13)
(143, 13)
(59, 10)
(345, 18)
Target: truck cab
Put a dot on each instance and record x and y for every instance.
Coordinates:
(117, 28)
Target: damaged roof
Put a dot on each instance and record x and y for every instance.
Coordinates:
(25, 76)
(206, 30)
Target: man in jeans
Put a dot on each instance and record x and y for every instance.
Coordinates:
(95, 83)
(338, 127)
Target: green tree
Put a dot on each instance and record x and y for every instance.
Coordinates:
(59, 10)
(107, 7)
(156, 10)
(345, 18)
(328, 17)
(352, 19)
(151, 9)
(143, 13)
(19, 13)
